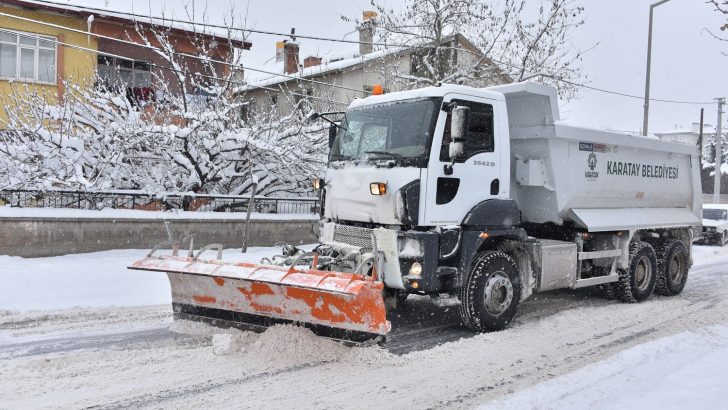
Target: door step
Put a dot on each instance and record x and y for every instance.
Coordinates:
(599, 280)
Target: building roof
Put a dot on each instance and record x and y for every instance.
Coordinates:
(324, 68)
(121, 17)
(338, 65)
(707, 129)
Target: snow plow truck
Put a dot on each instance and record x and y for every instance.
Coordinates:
(481, 193)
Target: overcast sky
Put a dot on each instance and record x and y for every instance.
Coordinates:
(687, 63)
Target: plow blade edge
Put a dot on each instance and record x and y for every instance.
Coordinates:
(340, 305)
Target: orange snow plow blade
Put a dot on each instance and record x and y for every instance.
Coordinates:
(339, 305)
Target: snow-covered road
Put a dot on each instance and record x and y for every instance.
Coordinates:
(566, 349)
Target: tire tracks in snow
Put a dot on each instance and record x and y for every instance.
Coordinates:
(623, 337)
(158, 399)
(122, 340)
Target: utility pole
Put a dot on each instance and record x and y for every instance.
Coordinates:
(700, 138)
(718, 151)
(649, 63)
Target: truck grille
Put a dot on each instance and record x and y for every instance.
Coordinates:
(354, 235)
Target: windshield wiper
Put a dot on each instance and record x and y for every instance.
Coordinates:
(390, 154)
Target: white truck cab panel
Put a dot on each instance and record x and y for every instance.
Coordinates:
(453, 188)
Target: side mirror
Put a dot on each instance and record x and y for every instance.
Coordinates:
(459, 126)
(333, 130)
(313, 117)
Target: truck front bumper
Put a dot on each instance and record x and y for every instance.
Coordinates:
(400, 250)
(712, 235)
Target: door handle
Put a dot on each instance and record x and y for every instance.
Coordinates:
(494, 187)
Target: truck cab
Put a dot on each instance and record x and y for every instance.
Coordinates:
(394, 184)
(405, 142)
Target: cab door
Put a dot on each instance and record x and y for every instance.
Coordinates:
(453, 189)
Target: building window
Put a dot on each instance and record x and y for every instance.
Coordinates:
(27, 57)
(122, 73)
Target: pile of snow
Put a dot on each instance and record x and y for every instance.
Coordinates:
(686, 370)
(224, 344)
(283, 346)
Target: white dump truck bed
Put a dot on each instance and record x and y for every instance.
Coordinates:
(596, 179)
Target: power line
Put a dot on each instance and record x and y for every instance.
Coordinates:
(204, 59)
(220, 26)
(635, 96)
(603, 90)
(163, 19)
(228, 81)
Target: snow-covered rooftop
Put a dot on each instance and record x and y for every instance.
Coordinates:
(334, 63)
(234, 35)
(694, 129)
(256, 80)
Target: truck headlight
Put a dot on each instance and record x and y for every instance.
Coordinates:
(378, 188)
(416, 269)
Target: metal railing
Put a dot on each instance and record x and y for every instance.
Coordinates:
(155, 202)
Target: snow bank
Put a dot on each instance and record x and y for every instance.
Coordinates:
(93, 279)
(686, 370)
(109, 213)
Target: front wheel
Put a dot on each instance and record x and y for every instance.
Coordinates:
(491, 293)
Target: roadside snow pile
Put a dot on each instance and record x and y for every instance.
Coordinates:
(122, 214)
(686, 370)
(97, 279)
(704, 255)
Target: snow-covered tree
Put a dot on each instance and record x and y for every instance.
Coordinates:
(709, 159)
(511, 38)
(722, 7)
(189, 135)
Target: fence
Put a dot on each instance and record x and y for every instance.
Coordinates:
(155, 202)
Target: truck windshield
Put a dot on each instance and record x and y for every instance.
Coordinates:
(715, 214)
(396, 130)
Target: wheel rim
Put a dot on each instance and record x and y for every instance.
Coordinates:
(643, 273)
(498, 293)
(676, 267)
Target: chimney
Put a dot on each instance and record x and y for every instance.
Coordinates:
(366, 32)
(290, 57)
(311, 61)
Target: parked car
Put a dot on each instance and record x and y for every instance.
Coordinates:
(715, 224)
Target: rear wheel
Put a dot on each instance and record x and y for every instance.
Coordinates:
(638, 282)
(491, 293)
(673, 262)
